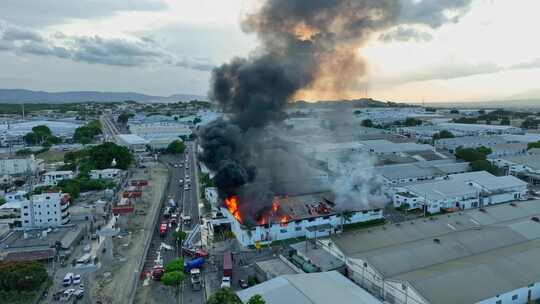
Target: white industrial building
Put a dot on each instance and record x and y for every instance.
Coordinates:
(16, 166)
(382, 147)
(160, 135)
(479, 129)
(41, 210)
(105, 173)
(499, 145)
(461, 191)
(401, 174)
(309, 288)
(483, 256)
(12, 133)
(133, 142)
(527, 166)
(308, 216)
(52, 178)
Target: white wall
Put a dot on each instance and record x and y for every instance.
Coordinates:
(521, 293)
(294, 229)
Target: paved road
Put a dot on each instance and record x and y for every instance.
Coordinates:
(187, 201)
(108, 127)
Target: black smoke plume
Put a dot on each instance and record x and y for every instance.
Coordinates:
(305, 47)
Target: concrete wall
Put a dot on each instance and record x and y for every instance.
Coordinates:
(510, 297)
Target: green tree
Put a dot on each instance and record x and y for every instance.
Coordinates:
(224, 296)
(470, 154)
(176, 264)
(484, 150)
(21, 276)
(87, 133)
(174, 278)
(31, 138)
(367, 123)
(179, 235)
(454, 111)
(71, 186)
(196, 120)
(485, 165)
(124, 117)
(411, 122)
(443, 134)
(505, 121)
(256, 299)
(176, 147)
(533, 145)
(102, 156)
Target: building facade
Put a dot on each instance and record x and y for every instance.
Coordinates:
(45, 210)
(53, 177)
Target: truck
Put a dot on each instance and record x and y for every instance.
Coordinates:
(195, 279)
(196, 263)
(227, 264)
(84, 259)
(157, 272)
(163, 230)
(199, 253)
(172, 203)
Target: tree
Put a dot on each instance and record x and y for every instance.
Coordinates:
(256, 299)
(367, 123)
(87, 133)
(224, 296)
(485, 165)
(176, 264)
(71, 186)
(533, 145)
(196, 120)
(21, 276)
(179, 235)
(505, 121)
(469, 154)
(174, 278)
(484, 150)
(454, 111)
(176, 147)
(443, 134)
(124, 117)
(101, 156)
(411, 122)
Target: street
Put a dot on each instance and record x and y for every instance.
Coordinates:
(187, 202)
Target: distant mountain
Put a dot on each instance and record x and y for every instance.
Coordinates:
(19, 95)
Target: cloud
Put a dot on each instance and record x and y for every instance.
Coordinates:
(534, 64)
(403, 34)
(433, 13)
(47, 12)
(94, 49)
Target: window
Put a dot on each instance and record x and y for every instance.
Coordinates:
(25, 207)
(515, 297)
(26, 214)
(26, 222)
(298, 228)
(531, 285)
(283, 231)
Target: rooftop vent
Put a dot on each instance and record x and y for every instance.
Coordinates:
(436, 241)
(535, 219)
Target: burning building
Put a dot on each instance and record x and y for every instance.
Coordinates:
(311, 215)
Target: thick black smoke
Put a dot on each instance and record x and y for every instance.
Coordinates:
(305, 45)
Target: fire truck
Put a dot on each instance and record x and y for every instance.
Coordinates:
(163, 230)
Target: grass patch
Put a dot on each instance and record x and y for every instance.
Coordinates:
(52, 156)
(364, 225)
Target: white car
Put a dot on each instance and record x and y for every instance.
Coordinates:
(176, 165)
(226, 282)
(77, 279)
(79, 293)
(180, 181)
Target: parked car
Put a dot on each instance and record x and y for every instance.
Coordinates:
(243, 284)
(226, 282)
(77, 279)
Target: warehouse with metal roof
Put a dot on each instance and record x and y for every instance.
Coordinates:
(312, 288)
(480, 256)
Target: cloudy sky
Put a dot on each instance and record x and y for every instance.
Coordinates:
(165, 47)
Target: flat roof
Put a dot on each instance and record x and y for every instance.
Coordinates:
(132, 139)
(312, 288)
(531, 160)
(479, 253)
(275, 267)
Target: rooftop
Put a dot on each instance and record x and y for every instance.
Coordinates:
(132, 139)
(493, 250)
(313, 288)
(531, 160)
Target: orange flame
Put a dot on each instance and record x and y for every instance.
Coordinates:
(232, 204)
(284, 220)
(275, 206)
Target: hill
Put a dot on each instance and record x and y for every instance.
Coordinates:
(28, 96)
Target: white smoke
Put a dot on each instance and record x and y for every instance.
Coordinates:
(356, 184)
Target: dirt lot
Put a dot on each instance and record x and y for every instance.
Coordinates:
(52, 156)
(113, 283)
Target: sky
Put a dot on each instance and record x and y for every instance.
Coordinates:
(164, 47)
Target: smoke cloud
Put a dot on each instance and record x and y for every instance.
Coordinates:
(308, 49)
